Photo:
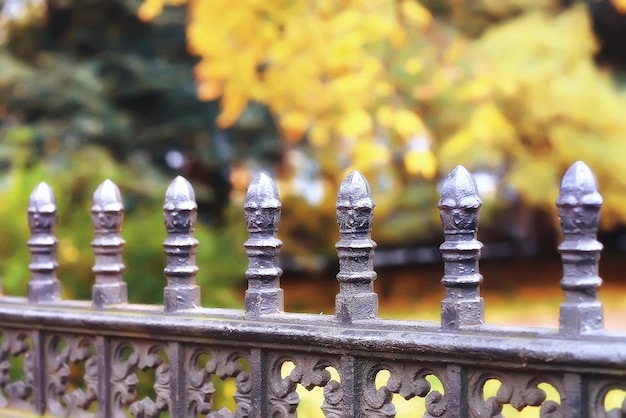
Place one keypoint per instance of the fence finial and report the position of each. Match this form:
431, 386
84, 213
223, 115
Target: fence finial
107, 216
42, 220
262, 210
459, 208
179, 213
355, 249
579, 206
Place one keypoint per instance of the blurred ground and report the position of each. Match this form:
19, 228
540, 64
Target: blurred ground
521, 291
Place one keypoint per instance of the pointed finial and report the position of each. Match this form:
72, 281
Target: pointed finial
180, 214
459, 210
579, 186
579, 206
355, 192
107, 198
180, 195
459, 192
262, 211
262, 193
42, 219
355, 249
42, 199
107, 216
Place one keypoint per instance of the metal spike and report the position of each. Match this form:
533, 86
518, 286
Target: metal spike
262, 210
180, 213
107, 215
579, 206
42, 219
459, 209
355, 214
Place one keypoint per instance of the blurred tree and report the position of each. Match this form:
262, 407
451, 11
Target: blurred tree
404, 90
400, 90
86, 94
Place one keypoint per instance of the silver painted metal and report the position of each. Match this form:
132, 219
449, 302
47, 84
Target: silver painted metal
180, 213
459, 208
42, 220
355, 214
187, 351
262, 210
579, 213
107, 216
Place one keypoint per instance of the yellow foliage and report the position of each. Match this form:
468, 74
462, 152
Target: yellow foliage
413, 66
294, 124
356, 123
489, 125
357, 77
367, 154
320, 67
415, 13
384, 115
620, 5
421, 162
150, 9
407, 123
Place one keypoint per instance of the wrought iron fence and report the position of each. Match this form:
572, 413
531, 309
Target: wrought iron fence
187, 347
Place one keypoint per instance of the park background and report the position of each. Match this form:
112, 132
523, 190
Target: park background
138, 92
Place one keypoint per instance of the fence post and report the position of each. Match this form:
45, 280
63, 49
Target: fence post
355, 249
579, 213
179, 214
42, 220
262, 210
459, 209
107, 215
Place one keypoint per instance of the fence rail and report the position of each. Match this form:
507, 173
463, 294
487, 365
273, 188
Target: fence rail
188, 347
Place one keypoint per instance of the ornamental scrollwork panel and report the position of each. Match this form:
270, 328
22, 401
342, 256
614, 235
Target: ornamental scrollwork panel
406, 379
17, 344
516, 389
61, 351
309, 371
224, 363
127, 357
602, 403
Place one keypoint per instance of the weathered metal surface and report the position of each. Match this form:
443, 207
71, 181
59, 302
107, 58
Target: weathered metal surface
42, 220
107, 216
262, 211
355, 249
579, 212
179, 214
459, 207
184, 349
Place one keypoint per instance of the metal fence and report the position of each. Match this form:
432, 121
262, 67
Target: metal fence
184, 348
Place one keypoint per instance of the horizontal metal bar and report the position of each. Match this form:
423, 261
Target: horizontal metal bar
495, 347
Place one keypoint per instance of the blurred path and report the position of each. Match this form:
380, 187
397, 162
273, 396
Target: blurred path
516, 292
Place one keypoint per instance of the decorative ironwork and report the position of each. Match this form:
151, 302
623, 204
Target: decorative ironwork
517, 390
223, 363
262, 210
459, 207
128, 357
61, 352
355, 249
43, 339
179, 213
407, 380
599, 390
17, 344
107, 215
308, 371
42, 220
579, 212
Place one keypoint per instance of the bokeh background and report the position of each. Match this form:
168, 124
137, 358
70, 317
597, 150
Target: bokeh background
402, 90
